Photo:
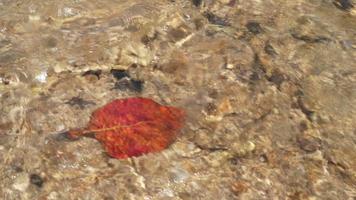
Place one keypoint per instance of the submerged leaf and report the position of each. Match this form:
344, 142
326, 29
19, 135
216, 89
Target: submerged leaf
133, 126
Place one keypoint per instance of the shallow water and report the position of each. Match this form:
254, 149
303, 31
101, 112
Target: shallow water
269, 88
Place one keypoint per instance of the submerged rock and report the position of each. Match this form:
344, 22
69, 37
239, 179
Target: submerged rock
21, 182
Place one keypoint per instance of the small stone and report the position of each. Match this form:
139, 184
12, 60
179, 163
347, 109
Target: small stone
36, 180
215, 113
277, 78
92, 74
242, 149
179, 175
254, 27
225, 1
166, 192
129, 84
41, 77
324, 119
185, 149
214, 19
79, 102
67, 12
217, 158
203, 138
308, 144
270, 50
119, 74
11, 78
179, 33
21, 183
51, 42
148, 38
137, 85
343, 4
34, 18
313, 117
53, 196
229, 66
225, 106
239, 187
197, 2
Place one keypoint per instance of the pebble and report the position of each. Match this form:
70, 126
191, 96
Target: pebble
130, 84
53, 196
36, 180
42, 77
197, 2
21, 182
136, 85
166, 192
119, 73
92, 75
239, 187
214, 19
343, 4
254, 27
308, 144
67, 12
179, 175
242, 149
185, 149
217, 158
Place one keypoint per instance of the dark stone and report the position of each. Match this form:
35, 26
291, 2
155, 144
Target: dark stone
63, 137
137, 85
148, 39
309, 38
213, 19
277, 78
78, 63
344, 5
129, 84
77, 101
211, 108
211, 148
264, 158
303, 126
259, 71
199, 23
119, 73
235, 160
123, 84
254, 27
308, 113
255, 76
308, 144
270, 50
133, 65
197, 2
18, 169
232, 3
36, 180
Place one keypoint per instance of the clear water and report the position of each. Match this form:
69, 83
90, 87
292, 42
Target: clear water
269, 88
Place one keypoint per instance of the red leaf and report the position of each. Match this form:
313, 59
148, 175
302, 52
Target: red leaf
133, 126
